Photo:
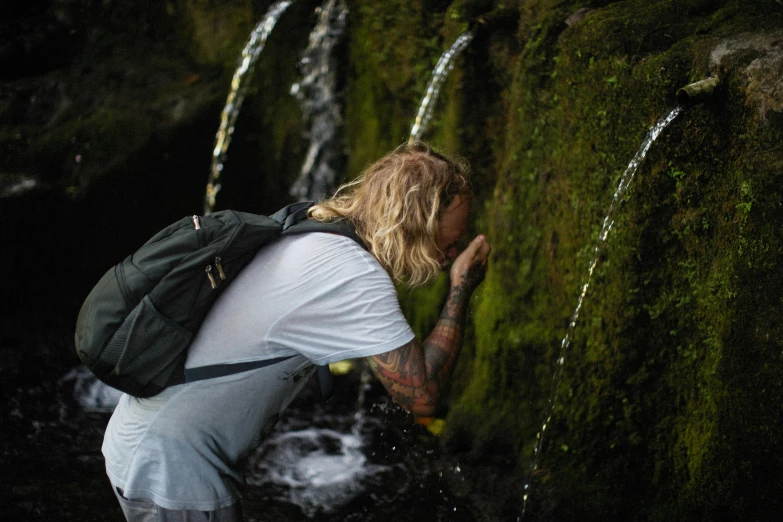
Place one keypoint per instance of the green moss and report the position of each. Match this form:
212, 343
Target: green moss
648, 406
422, 306
393, 49
218, 35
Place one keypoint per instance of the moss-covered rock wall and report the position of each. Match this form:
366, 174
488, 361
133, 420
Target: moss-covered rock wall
668, 404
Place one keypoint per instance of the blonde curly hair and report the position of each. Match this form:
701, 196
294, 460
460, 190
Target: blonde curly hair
395, 206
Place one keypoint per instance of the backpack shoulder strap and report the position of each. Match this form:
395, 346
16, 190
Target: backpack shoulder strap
292, 214
294, 220
219, 370
341, 227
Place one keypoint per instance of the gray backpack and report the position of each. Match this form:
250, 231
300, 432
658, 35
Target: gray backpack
134, 328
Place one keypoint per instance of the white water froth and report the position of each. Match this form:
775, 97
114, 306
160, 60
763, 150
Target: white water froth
321, 109
91, 393
319, 470
442, 68
236, 96
18, 188
622, 187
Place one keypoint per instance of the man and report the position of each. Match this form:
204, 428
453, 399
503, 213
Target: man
178, 455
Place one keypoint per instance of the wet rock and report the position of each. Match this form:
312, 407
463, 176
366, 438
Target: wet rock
578, 16
760, 60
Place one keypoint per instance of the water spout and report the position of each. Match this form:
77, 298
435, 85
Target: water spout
504, 19
697, 92
622, 187
442, 68
236, 96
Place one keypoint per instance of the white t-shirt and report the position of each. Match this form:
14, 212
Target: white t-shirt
319, 297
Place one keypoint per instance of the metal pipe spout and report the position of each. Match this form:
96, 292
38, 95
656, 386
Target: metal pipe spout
504, 19
698, 92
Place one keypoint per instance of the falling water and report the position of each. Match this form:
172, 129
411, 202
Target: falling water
89, 392
17, 188
625, 180
442, 68
236, 96
321, 109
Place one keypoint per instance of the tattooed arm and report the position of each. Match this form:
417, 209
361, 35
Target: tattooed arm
416, 374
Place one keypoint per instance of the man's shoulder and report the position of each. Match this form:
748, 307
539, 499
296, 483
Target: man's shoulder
326, 257
339, 227
325, 243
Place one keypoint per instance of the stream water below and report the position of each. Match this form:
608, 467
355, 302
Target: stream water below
325, 461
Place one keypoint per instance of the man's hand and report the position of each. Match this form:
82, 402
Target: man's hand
469, 268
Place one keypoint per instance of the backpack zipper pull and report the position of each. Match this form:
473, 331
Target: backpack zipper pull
220, 268
196, 222
212, 281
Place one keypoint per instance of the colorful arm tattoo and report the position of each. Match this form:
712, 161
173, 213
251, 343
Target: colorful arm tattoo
416, 374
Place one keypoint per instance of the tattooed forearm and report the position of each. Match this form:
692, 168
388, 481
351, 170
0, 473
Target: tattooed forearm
417, 374
442, 347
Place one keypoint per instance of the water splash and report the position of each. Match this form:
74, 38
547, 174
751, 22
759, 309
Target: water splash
318, 98
442, 68
89, 392
320, 469
22, 185
236, 96
625, 180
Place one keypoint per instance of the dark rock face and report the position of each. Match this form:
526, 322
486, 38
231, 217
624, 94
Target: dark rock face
103, 148
669, 403
35, 38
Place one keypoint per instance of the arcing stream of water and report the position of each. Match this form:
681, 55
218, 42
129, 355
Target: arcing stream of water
236, 96
317, 94
442, 68
622, 187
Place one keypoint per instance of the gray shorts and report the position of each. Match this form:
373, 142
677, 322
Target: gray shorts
144, 510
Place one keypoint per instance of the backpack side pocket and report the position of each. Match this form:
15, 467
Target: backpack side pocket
146, 352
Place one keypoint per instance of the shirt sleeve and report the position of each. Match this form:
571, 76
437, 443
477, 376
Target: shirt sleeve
352, 310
